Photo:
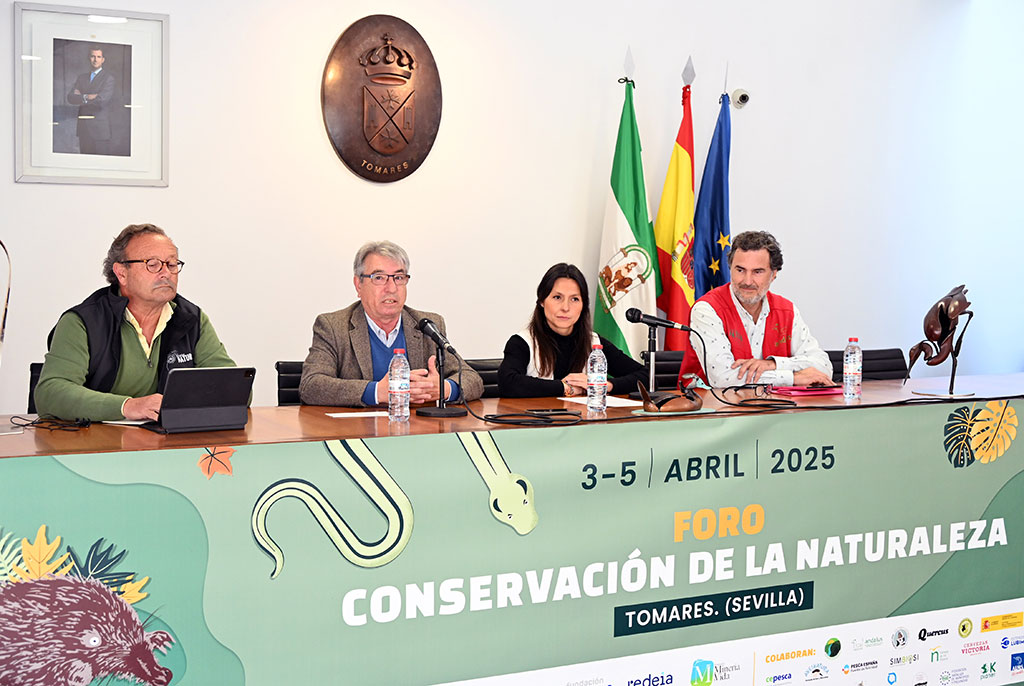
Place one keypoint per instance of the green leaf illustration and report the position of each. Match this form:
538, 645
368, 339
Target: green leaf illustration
958, 437
96, 561
10, 554
98, 564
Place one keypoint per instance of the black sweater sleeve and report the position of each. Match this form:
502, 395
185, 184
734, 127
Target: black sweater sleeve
623, 370
513, 381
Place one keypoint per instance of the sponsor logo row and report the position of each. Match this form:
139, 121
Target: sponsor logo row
709, 673
820, 664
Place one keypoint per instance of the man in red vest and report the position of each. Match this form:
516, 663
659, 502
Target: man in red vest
752, 335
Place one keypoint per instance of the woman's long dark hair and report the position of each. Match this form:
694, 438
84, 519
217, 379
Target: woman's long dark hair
544, 338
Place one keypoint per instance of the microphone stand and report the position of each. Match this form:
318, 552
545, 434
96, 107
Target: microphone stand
441, 410
652, 346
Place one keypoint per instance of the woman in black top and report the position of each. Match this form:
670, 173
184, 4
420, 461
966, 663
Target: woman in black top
549, 356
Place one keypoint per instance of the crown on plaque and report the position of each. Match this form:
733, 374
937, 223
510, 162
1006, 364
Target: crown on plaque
388, 64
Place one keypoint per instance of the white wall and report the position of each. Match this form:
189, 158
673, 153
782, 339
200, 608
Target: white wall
881, 145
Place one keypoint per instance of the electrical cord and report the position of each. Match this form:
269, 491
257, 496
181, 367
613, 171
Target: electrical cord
574, 417
748, 406
764, 402
566, 418
50, 423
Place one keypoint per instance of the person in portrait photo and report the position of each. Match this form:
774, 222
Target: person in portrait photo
92, 99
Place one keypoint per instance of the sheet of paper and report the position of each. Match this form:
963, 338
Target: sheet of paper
612, 401
355, 415
126, 422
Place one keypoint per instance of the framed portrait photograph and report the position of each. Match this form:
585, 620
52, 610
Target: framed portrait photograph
90, 96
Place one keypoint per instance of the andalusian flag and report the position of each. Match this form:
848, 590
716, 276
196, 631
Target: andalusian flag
673, 231
628, 275
711, 218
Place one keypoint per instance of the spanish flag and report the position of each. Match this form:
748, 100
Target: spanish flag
673, 232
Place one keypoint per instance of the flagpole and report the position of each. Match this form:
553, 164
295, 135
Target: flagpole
628, 262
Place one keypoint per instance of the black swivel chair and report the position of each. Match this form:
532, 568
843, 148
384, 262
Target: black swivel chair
487, 368
33, 378
666, 368
289, 373
879, 364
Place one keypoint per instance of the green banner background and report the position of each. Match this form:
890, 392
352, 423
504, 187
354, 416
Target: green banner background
210, 583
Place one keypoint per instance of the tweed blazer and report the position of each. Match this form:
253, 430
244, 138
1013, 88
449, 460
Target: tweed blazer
340, 364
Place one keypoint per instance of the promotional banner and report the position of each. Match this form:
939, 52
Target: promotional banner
439, 558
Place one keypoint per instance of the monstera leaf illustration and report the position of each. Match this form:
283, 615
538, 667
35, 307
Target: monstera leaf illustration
958, 436
994, 430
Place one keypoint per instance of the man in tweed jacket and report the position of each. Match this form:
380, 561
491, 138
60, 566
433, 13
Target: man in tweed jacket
352, 348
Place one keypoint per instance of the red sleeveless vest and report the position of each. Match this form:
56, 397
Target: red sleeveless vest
778, 333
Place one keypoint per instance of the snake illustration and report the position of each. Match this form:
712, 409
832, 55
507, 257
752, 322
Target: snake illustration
510, 501
511, 495
370, 475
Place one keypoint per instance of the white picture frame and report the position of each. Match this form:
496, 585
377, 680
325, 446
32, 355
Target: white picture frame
117, 136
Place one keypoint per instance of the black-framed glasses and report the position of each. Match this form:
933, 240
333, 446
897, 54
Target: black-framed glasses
154, 265
380, 278
688, 381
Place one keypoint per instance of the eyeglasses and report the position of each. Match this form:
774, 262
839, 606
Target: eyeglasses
154, 265
380, 279
688, 381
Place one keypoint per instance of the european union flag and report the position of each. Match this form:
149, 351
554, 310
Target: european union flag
711, 216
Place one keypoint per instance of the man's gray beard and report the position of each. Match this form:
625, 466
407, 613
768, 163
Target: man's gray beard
747, 301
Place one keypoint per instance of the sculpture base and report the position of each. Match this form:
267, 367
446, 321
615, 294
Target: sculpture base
950, 396
441, 412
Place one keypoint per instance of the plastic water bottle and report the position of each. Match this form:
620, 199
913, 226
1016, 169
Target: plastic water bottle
853, 361
398, 387
597, 378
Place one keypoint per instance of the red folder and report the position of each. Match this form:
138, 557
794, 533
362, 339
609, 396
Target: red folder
807, 390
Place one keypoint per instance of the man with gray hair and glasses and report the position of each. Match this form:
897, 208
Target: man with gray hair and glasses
110, 355
352, 348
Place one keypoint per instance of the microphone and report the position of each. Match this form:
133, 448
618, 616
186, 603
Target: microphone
637, 317
430, 329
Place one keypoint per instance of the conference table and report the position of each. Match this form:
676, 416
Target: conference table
738, 542
312, 423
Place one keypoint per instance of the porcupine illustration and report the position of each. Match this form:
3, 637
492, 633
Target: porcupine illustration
71, 630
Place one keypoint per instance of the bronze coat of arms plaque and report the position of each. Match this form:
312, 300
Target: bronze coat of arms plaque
381, 98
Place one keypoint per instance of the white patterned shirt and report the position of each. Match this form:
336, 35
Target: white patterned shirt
805, 348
